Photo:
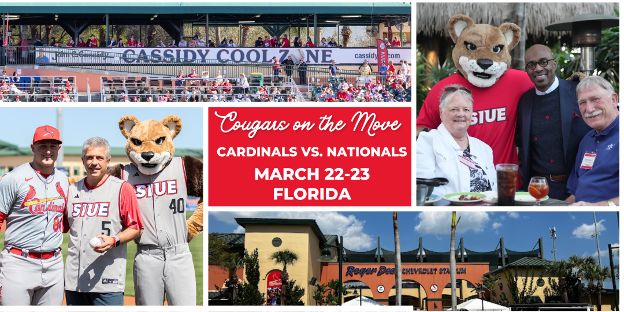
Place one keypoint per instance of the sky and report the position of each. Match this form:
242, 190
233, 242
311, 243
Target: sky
18, 124
481, 230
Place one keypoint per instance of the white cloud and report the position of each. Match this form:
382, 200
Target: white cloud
331, 222
587, 230
439, 222
604, 254
496, 225
572, 216
239, 230
513, 214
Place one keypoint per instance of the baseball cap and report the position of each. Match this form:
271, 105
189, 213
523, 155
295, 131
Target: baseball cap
46, 133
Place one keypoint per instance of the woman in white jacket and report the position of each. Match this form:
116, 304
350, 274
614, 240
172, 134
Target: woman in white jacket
449, 152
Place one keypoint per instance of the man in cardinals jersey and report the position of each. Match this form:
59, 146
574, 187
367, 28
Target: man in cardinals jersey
32, 200
103, 208
131, 42
94, 42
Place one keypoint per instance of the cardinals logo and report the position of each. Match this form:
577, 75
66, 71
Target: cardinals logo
38, 206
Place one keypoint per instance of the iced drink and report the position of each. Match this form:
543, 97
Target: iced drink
506, 175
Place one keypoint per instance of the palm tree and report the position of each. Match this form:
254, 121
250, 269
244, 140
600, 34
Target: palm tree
285, 258
561, 269
490, 281
397, 259
232, 262
594, 275
579, 264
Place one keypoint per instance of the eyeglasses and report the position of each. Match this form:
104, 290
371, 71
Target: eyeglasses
451, 89
543, 63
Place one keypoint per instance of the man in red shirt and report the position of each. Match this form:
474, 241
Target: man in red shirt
342, 94
274, 42
131, 42
267, 42
227, 86
193, 75
139, 43
396, 42
94, 42
285, 42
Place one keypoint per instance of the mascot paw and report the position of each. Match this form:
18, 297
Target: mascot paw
578, 76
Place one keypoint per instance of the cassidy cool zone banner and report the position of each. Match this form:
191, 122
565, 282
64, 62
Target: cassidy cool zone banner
323, 156
218, 55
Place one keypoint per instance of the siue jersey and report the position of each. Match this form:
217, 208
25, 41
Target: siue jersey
494, 111
33, 206
162, 200
91, 212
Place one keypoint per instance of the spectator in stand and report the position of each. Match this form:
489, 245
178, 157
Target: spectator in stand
172, 44
310, 44
131, 42
179, 82
42, 58
364, 71
231, 44
81, 43
112, 43
135, 99
391, 69
297, 42
406, 70
211, 44
275, 42
4, 87
193, 43
290, 98
54, 43
161, 44
88, 43
149, 99
342, 95
227, 87
323, 43
332, 43
276, 69
214, 88
387, 43
120, 43
288, 66
285, 42
70, 43
333, 69
140, 44
205, 80
396, 42
383, 72
94, 42
219, 78
244, 84
259, 43
68, 87
223, 43
202, 43
267, 42
125, 99
38, 43
303, 67
193, 75
182, 43
245, 98
24, 49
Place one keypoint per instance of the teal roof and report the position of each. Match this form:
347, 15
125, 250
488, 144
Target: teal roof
526, 262
7, 145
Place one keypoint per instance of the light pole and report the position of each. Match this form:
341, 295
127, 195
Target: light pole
596, 233
615, 291
326, 257
553, 235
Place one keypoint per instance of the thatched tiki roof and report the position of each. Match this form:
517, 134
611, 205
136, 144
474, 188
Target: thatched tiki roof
431, 18
532, 18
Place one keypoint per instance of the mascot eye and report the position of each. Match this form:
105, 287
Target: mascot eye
470, 46
498, 48
136, 142
160, 140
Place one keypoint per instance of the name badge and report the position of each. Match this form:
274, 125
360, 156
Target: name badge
588, 160
467, 162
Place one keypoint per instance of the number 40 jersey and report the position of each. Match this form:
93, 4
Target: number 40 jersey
162, 200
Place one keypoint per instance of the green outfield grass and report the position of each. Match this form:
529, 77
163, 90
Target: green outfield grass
196, 246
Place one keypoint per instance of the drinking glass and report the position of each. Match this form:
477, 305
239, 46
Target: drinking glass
538, 188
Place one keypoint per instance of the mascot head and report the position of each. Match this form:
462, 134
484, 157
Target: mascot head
150, 142
481, 51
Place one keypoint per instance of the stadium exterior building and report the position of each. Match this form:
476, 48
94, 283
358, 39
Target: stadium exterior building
425, 273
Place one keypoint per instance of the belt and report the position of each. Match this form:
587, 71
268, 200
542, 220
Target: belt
552, 177
167, 251
34, 255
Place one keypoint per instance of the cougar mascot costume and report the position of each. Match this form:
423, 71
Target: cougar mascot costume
163, 263
481, 55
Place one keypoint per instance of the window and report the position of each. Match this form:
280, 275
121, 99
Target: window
2, 171
10, 169
76, 171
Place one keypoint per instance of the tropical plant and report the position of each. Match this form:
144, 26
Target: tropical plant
579, 264
293, 294
608, 55
232, 262
490, 281
251, 295
595, 275
520, 296
285, 258
429, 74
217, 248
562, 270
327, 294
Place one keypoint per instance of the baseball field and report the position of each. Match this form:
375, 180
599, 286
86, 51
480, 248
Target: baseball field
196, 247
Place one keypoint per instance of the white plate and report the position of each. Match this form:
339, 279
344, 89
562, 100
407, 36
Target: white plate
454, 198
525, 199
432, 199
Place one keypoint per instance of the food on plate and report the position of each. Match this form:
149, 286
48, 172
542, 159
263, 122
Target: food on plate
469, 197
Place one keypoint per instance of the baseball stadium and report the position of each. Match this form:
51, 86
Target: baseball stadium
369, 276
206, 52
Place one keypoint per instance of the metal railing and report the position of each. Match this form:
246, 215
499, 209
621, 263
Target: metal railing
38, 89
146, 89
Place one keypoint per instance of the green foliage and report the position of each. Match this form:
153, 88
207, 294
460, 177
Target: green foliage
429, 74
217, 249
327, 294
294, 294
520, 296
250, 294
490, 281
568, 60
284, 257
608, 55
